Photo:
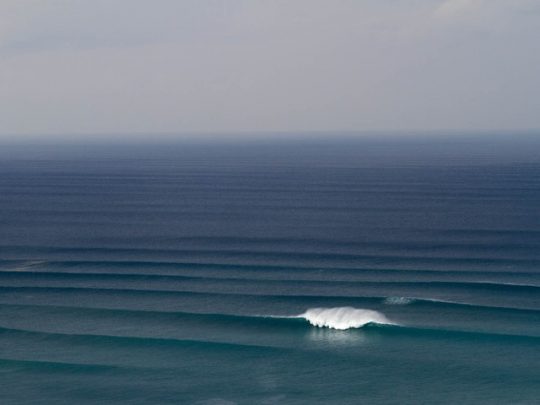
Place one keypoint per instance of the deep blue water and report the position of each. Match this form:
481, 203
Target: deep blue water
189, 272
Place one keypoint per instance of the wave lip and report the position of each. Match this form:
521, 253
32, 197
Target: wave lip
343, 318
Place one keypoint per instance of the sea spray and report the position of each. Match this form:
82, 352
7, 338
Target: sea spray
343, 318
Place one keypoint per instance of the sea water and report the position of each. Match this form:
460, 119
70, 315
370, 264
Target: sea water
324, 270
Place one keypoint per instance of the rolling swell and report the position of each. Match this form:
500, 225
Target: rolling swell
122, 340
168, 280
267, 272
148, 277
52, 367
338, 319
247, 256
299, 278
7, 291
476, 293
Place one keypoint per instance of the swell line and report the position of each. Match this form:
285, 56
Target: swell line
133, 340
374, 299
52, 366
275, 255
26, 264
390, 329
71, 276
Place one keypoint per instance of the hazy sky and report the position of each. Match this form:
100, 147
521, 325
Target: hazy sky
148, 66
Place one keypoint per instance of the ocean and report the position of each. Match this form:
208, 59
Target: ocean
288, 270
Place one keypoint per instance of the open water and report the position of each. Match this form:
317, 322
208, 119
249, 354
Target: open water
303, 271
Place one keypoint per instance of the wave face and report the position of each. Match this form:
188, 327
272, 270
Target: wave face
242, 274
343, 318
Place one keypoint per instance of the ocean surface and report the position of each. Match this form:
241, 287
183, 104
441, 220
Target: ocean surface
393, 270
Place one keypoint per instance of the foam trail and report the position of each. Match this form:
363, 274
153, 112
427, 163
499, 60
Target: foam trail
398, 301
343, 318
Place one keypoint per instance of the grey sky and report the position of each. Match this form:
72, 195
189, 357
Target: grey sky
124, 66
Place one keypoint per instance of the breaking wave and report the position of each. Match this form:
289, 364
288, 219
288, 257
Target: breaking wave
343, 318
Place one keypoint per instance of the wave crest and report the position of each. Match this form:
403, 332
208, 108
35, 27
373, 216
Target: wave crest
343, 318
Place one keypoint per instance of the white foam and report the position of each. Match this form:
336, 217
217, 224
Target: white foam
343, 318
398, 300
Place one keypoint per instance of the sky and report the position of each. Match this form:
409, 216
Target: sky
83, 68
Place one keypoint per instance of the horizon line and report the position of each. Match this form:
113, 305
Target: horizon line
139, 136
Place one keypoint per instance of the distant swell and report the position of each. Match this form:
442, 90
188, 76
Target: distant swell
23, 294
343, 318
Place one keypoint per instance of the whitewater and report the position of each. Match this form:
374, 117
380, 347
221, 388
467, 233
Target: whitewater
343, 318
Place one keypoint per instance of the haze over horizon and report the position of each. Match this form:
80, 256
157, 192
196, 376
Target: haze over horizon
75, 68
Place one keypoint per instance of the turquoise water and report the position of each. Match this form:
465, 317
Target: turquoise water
403, 271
